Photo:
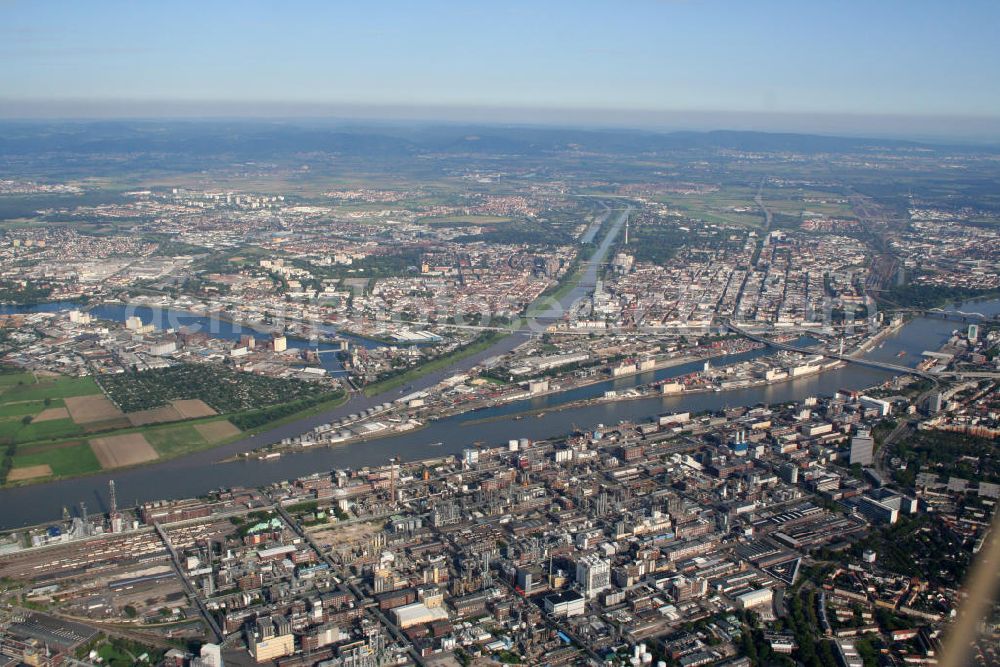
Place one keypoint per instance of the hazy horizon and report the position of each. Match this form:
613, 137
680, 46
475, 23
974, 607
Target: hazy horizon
967, 129
896, 69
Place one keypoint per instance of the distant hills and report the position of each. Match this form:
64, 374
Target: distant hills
263, 139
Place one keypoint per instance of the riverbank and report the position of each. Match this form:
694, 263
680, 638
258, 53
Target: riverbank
388, 384
640, 392
878, 338
254, 325
199, 473
740, 378
166, 440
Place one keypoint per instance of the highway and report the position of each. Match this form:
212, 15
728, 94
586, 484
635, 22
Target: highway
192, 593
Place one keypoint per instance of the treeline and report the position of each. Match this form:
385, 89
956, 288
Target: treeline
257, 418
933, 296
15, 293
404, 374
8, 462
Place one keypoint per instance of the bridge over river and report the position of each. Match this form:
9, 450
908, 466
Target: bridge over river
952, 315
862, 361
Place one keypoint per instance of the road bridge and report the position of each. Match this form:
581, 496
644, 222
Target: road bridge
861, 361
175, 559
973, 317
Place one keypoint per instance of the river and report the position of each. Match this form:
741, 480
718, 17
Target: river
201, 472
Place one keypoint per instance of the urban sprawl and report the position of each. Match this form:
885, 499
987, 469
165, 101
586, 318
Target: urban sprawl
181, 313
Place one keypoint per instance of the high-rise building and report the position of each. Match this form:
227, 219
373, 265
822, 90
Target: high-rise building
211, 656
270, 638
875, 510
593, 574
973, 332
862, 448
790, 473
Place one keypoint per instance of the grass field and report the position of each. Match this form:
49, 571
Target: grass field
54, 388
68, 459
22, 408
46, 430
22, 396
732, 205
175, 440
186, 438
736, 205
11, 379
66, 446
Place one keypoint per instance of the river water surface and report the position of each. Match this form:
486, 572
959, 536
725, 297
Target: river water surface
201, 472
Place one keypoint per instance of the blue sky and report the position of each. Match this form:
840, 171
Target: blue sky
916, 58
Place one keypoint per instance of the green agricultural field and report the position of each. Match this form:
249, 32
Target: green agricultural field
47, 430
13, 428
22, 397
20, 409
75, 458
54, 388
175, 440
179, 438
68, 458
9, 429
25, 450
8, 380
